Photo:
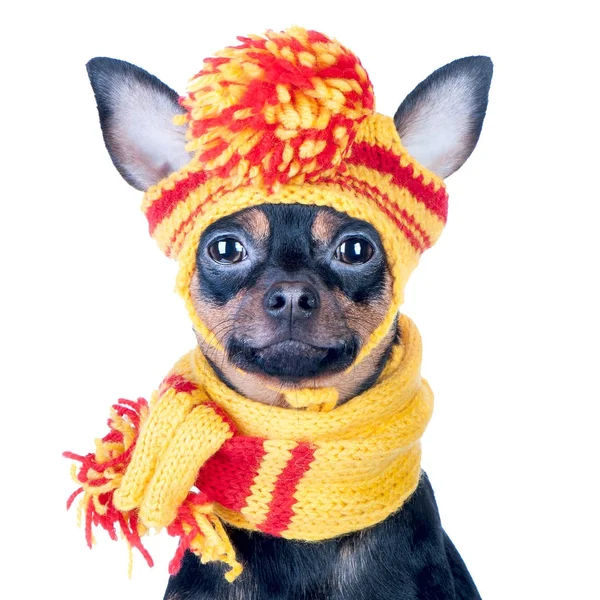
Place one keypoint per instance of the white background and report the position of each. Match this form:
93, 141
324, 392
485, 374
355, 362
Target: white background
507, 302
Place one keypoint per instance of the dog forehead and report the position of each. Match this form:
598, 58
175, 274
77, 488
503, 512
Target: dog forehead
286, 223
290, 216
318, 223
254, 221
266, 220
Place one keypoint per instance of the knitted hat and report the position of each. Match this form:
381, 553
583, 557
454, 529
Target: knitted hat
289, 118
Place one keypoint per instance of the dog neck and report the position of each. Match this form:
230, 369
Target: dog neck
268, 390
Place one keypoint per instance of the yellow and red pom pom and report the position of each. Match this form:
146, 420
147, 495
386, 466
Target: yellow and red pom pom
278, 109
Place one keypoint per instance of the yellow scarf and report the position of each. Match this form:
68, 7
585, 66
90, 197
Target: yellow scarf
299, 474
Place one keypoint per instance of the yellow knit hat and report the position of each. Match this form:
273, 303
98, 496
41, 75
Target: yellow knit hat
289, 118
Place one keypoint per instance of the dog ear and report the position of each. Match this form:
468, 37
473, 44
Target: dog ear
136, 115
439, 122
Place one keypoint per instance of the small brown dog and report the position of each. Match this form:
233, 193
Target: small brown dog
291, 293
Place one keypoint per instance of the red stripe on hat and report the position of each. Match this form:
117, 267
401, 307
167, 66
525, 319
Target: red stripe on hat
399, 216
387, 162
281, 506
383, 200
351, 185
227, 476
163, 206
191, 218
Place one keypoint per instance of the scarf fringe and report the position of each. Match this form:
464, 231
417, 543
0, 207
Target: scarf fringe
99, 476
202, 532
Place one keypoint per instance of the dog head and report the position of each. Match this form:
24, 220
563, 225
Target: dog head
290, 294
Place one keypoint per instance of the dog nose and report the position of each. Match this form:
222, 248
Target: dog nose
291, 300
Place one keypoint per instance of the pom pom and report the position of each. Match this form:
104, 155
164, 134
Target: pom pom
283, 108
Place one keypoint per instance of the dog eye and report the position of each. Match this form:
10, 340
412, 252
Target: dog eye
354, 251
227, 251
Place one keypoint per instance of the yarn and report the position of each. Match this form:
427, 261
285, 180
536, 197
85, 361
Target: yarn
278, 109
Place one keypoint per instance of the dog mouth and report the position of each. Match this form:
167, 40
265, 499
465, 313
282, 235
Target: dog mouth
293, 360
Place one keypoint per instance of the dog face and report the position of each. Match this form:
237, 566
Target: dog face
290, 292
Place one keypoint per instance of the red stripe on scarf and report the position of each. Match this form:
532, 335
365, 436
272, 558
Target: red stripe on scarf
178, 383
227, 476
281, 507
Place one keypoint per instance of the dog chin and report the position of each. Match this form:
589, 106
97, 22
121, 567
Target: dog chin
293, 360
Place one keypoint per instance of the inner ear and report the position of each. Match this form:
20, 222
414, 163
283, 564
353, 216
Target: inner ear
439, 122
136, 112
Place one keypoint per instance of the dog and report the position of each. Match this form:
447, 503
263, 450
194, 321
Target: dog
291, 293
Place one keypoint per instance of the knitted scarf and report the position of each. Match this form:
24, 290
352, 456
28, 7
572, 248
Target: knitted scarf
201, 455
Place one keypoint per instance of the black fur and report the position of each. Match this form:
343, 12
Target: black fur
406, 557
277, 364
290, 248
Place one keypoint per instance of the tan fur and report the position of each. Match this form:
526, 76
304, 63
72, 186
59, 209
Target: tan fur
326, 223
255, 222
263, 388
219, 319
366, 317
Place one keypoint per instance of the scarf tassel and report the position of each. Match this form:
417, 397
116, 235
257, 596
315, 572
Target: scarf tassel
100, 475
201, 531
